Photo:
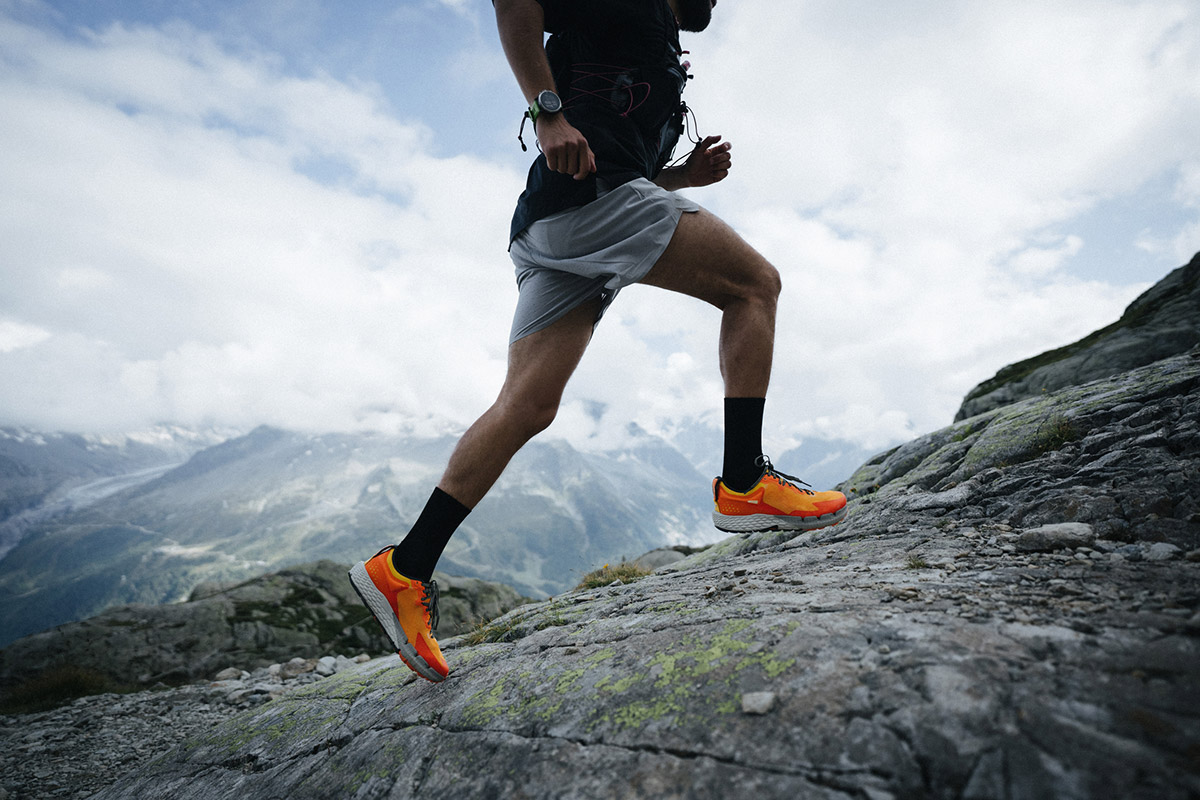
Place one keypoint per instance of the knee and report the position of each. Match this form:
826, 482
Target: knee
539, 416
775, 281
530, 415
765, 285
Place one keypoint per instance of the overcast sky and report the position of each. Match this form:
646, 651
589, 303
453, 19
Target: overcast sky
296, 213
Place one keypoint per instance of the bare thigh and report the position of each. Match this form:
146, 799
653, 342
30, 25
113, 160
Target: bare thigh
707, 259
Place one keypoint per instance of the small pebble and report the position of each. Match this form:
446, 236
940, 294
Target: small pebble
757, 702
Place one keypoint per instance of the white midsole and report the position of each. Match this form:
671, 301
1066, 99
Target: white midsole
751, 523
382, 611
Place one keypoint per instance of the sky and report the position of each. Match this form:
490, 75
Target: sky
230, 213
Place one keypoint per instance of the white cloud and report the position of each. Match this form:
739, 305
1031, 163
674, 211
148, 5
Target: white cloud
911, 172
198, 233
1042, 260
162, 229
16, 335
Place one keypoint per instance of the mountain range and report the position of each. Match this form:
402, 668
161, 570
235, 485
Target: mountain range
94, 524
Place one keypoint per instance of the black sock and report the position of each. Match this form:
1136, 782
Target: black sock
416, 556
743, 442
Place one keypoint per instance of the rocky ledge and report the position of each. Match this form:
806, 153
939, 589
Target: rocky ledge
1010, 611
1164, 321
76, 750
306, 611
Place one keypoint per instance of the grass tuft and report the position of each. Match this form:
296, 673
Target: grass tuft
625, 572
1055, 432
501, 630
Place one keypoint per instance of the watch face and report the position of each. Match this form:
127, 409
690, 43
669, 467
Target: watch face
549, 102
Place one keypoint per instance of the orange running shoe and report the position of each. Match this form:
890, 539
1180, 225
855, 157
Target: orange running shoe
775, 503
406, 609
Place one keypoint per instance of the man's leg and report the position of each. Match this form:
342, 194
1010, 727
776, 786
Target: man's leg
396, 583
708, 260
539, 366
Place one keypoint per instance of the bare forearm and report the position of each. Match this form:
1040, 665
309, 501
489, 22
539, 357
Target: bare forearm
672, 179
520, 23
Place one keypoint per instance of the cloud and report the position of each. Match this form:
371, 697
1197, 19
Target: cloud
199, 231
978, 122
915, 173
164, 229
15, 335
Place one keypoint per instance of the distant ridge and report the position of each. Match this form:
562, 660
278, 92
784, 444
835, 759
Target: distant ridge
273, 498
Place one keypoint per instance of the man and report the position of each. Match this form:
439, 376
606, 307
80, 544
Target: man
600, 212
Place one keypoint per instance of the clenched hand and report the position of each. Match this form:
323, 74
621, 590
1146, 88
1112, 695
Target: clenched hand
565, 148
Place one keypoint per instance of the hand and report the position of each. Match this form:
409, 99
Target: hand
707, 164
565, 148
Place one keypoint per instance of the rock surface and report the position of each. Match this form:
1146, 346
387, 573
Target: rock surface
306, 611
918, 650
1164, 321
73, 752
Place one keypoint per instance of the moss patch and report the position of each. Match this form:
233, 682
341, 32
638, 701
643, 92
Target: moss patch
617, 688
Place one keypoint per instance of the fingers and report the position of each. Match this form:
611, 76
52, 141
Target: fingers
573, 158
719, 157
587, 164
717, 160
566, 149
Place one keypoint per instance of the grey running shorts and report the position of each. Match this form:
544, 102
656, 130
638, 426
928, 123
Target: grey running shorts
591, 251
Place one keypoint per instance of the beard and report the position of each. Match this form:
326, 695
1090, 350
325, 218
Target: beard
694, 15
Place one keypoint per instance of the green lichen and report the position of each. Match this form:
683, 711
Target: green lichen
600, 656
344, 685
388, 756
510, 697
276, 724
619, 686
668, 689
658, 686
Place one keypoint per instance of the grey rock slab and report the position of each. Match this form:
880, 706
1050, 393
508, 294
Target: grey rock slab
1162, 551
1164, 321
601, 691
1056, 537
912, 651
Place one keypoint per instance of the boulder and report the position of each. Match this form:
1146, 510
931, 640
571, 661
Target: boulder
1045, 538
1164, 321
304, 612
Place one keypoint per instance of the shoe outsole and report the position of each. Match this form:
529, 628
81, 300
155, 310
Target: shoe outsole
381, 610
759, 523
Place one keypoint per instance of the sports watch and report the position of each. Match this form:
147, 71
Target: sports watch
547, 102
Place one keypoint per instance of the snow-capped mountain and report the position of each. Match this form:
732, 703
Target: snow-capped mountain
125, 523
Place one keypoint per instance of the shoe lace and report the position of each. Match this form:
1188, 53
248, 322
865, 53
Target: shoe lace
429, 599
790, 480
